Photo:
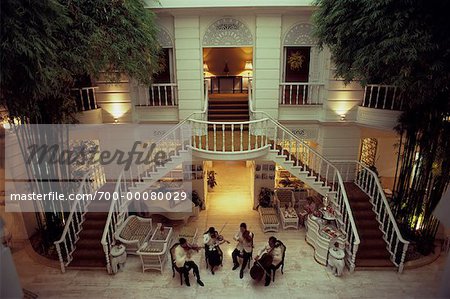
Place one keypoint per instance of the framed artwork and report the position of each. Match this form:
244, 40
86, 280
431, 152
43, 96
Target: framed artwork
265, 167
264, 176
258, 167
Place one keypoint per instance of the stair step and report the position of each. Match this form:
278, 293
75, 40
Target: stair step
91, 234
89, 254
372, 254
364, 214
90, 244
367, 223
94, 224
96, 216
385, 263
82, 263
372, 243
369, 233
242, 111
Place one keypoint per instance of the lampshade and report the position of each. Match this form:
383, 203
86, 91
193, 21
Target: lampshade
205, 67
248, 66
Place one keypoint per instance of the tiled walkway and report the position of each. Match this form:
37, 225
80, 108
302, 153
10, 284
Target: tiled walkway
231, 203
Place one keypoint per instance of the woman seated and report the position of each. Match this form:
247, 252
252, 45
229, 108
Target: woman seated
213, 253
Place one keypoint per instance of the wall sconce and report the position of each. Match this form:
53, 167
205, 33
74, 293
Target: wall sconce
248, 67
205, 67
116, 120
343, 117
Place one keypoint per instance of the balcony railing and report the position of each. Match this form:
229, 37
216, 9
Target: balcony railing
386, 97
85, 98
160, 95
301, 93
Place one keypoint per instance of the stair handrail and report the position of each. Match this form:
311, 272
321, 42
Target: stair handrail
90, 182
340, 181
370, 190
119, 203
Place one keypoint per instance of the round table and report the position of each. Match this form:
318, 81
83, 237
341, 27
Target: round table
118, 257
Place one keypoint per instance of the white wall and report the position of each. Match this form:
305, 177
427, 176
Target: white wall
188, 63
267, 63
339, 142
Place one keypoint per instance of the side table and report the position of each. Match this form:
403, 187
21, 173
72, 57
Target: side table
118, 257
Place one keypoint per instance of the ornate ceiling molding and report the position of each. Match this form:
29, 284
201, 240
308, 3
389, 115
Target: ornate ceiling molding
164, 38
300, 35
227, 32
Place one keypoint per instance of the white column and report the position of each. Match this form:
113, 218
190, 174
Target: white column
188, 61
267, 63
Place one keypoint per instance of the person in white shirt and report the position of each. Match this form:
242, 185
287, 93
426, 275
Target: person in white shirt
275, 249
183, 260
243, 248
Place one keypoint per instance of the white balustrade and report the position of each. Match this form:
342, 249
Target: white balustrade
118, 212
66, 245
161, 94
380, 96
301, 93
368, 181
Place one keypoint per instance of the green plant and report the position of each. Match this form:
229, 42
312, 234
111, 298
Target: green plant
212, 179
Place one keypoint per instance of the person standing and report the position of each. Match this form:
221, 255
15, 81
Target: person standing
183, 260
244, 248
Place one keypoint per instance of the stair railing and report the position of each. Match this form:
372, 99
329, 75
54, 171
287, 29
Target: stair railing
66, 245
118, 211
368, 181
230, 136
326, 174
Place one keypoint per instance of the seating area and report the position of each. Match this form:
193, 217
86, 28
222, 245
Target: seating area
133, 232
269, 219
284, 202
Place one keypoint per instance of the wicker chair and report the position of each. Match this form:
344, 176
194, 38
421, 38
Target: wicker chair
133, 232
284, 198
153, 255
269, 219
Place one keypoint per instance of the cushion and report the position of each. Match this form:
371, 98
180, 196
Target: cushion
267, 211
153, 247
270, 219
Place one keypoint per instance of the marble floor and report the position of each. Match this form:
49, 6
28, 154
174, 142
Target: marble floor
230, 204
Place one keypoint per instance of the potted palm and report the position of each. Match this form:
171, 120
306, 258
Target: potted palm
211, 180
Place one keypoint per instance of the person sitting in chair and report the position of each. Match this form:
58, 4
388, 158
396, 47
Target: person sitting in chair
243, 249
311, 206
274, 249
213, 253
183, 260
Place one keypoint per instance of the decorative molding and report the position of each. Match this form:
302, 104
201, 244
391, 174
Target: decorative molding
227, 32
299, 35
164, 38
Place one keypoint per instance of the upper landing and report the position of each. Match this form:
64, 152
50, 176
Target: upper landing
226, 4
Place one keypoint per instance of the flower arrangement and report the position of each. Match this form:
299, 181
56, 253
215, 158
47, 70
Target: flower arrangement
295, 61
